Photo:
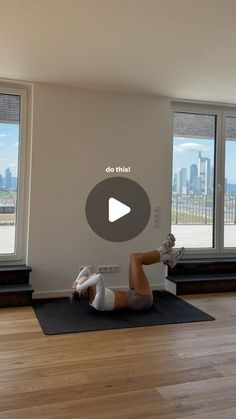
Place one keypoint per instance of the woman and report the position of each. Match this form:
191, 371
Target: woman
139, 296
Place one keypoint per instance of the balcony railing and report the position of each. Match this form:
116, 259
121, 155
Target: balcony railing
199, 209
7, 207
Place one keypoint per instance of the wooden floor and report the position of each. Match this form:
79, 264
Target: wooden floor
175, 371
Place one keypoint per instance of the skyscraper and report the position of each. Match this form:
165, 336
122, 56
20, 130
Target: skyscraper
193, 178
8, 178
204, 173
182, 181
175, 183
193, 172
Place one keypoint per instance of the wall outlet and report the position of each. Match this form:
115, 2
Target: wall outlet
156, 215
108, 269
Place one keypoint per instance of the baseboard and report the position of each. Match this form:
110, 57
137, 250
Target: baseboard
51, 294
66, 293
170, 286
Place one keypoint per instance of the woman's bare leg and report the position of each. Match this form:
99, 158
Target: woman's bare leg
131, 280
138, 281
137, 278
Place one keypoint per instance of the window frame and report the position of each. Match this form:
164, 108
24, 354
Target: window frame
221, 111
21, 231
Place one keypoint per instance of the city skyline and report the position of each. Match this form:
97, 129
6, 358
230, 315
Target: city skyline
8, 182
200, 179
9, 145
186, 154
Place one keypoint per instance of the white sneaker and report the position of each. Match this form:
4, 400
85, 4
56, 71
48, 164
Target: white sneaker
175, 257
169, 243
86, 271
84, 274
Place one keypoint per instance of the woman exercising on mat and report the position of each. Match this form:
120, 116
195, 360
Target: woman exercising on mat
139, 297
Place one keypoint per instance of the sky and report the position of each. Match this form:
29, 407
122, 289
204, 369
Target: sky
9, 144
186, 151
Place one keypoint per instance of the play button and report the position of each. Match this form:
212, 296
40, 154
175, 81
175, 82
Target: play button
117, 209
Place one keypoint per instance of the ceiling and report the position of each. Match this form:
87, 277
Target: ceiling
177, 48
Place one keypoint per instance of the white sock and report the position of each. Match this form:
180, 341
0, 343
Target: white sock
164, 257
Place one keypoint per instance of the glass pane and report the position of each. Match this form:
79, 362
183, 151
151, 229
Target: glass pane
9, 153
193, 179
230, 184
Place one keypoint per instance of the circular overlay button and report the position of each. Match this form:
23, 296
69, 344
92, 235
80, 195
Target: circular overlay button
117, 209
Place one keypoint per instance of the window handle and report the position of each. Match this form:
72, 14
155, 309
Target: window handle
219, 187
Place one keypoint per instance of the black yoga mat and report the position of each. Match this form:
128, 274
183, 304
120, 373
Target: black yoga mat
58, 316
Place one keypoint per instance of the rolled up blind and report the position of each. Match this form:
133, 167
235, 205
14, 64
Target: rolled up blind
9, 109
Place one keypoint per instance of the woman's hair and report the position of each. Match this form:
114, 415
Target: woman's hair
75, 296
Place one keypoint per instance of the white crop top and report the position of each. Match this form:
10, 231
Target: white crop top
106, 302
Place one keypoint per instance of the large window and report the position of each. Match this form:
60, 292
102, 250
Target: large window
12, 173
204, 179
230, 183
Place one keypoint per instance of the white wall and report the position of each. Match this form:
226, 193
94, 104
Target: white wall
76, 135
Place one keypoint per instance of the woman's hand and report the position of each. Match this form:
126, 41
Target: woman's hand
74, 284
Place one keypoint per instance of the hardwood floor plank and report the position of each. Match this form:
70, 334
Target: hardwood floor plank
209, 402
219, 414
143, 362
208, 386
94, 384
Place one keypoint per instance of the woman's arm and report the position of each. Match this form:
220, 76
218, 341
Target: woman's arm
92, 280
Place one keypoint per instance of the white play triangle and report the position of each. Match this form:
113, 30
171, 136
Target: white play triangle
116, 210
